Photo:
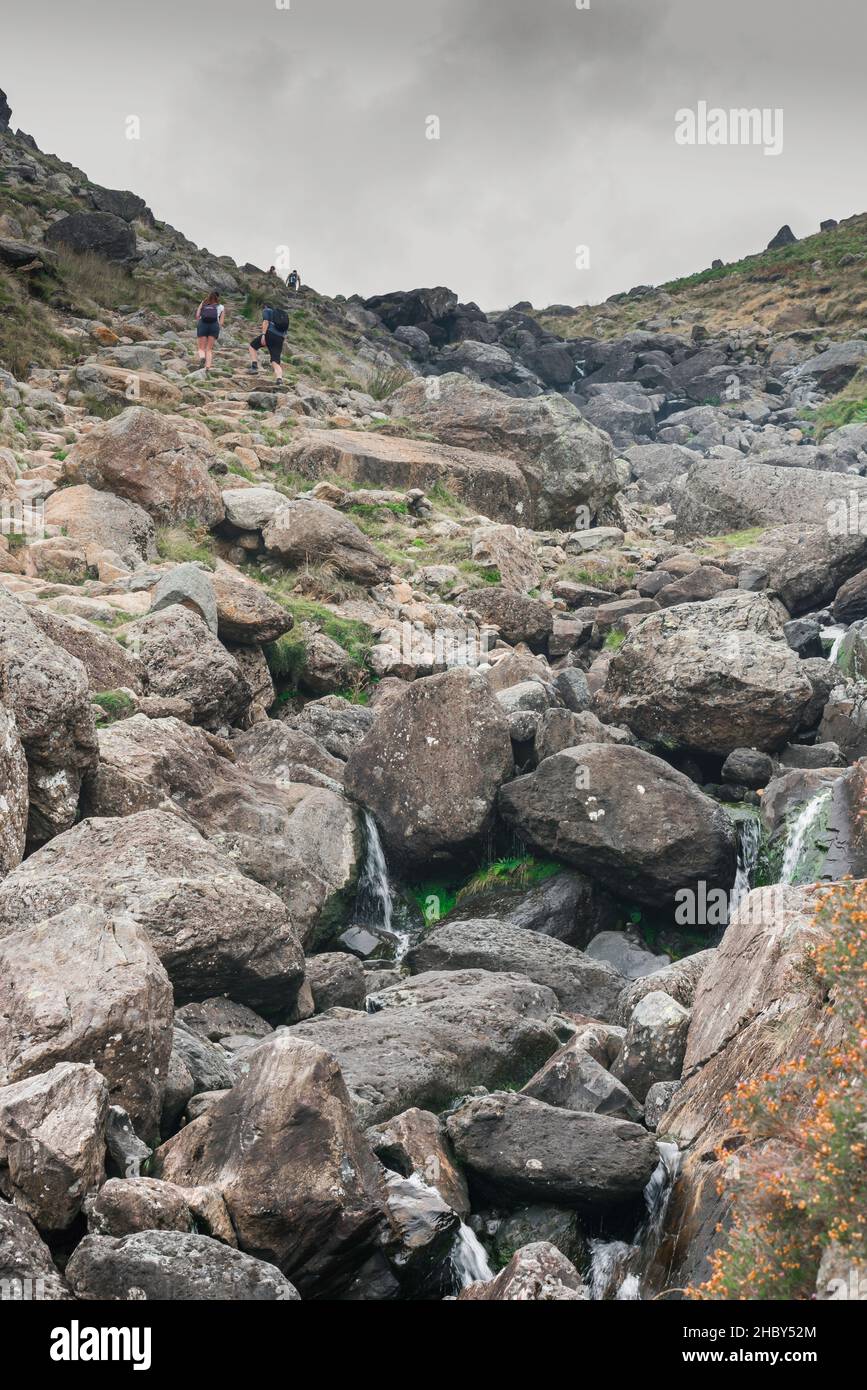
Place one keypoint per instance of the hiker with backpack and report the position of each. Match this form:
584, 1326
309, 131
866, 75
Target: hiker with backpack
275, 326
210, 316
294, 281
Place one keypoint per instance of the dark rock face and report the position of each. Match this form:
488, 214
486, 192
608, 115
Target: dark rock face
129, 207
581, 985
785, 237
99, 232
5, 112
521, 1150
640, 827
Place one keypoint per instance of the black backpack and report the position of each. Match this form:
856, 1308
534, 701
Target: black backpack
279, 320
210, 313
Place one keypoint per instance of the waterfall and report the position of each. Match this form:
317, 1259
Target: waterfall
796, 838
616, 1269
749, 844
374, 905
834, 636
469, 1260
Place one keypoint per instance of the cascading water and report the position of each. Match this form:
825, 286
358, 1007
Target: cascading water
617, 1269
374, 905
797, 837
469, 1259
749, 844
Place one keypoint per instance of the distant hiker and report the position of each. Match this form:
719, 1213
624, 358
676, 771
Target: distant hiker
272, 270
210, 316
275, 326
294, 281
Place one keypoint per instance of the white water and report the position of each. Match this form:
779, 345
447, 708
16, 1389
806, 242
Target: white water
749, 844
797, 836
616, 1269
836, 634
469, 1260
374, 891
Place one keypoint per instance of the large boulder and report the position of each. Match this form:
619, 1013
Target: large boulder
536, 1273
213, 929
27, 1271
709, 676
720, 497
100, 520
488, 482
436, 1036
142, 457
99, 233
415, 1143
83, 986
804, 565
430, 767
104, 384
245, 613
172, 1267
582, 985
757, 1008
835, 367
517, 617
183, 660
517, 1150
566, 462
300, 840
307, 1196
52, 1142
654, 1044
307, 532
573, 1079
47, 691
629, 819
108, 663
14, 798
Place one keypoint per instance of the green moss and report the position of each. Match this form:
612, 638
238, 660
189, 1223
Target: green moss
614, 640
112, 705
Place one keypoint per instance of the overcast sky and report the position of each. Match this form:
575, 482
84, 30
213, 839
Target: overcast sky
306, 125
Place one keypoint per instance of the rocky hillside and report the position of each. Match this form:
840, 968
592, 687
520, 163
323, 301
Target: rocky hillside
418, 776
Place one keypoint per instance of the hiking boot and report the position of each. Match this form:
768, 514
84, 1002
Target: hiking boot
253, 369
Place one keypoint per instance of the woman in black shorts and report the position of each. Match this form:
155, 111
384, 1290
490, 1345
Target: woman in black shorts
209, 320
275, 326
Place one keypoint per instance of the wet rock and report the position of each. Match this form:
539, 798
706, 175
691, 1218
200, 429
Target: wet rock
538, 1273
415, 1142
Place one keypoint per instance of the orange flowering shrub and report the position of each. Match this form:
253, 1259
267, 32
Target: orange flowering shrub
802, 1179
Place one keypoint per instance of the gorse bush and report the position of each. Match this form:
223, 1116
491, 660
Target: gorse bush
802, 1178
